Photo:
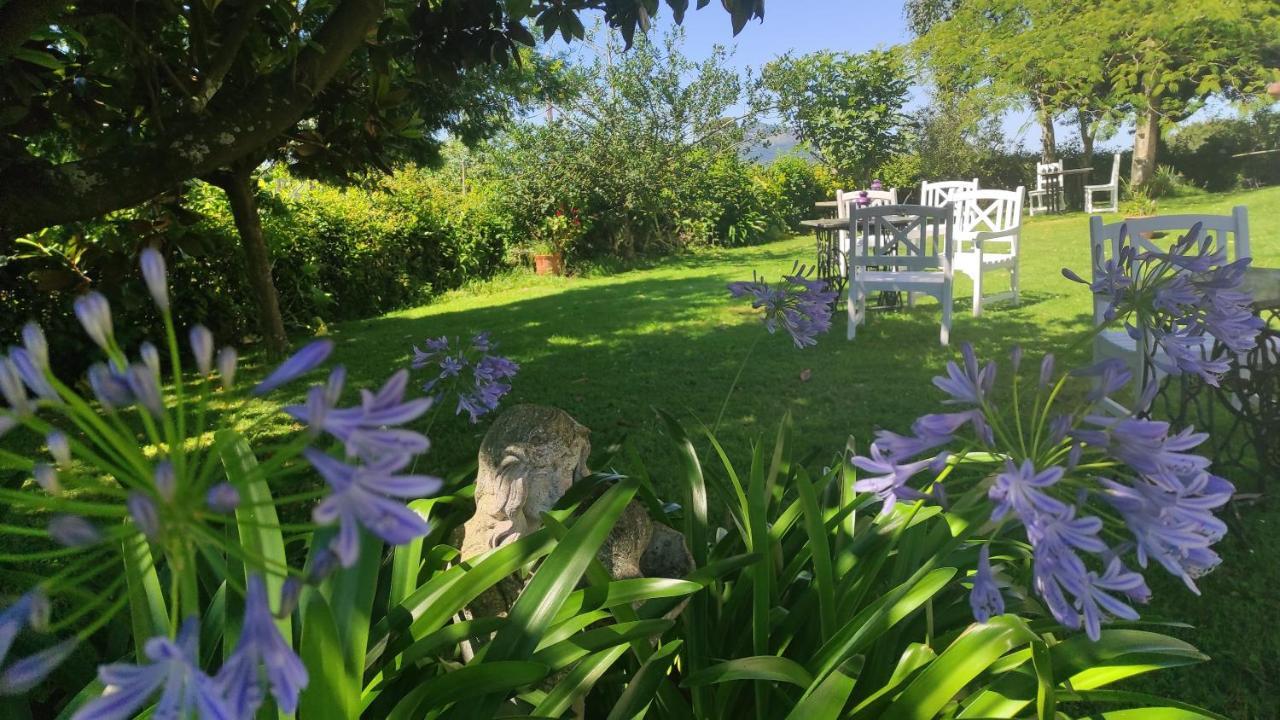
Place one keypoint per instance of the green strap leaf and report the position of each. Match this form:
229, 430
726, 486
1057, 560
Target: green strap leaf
578, 682
765, 667
330, 693
640, 691
147, 612
826, 701
465, 683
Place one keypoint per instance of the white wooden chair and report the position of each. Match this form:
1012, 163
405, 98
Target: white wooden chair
937, 194
1112, 189
1040, 200
922, 237
1227, 231
847, 199
988, 231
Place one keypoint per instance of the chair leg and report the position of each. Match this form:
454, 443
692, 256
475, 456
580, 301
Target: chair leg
852, 303
1013, 281
977, 292
946, 315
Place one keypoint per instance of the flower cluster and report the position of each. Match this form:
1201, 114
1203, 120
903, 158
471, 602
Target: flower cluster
800, 305
1070, 477
472, 371
1178, 301
141, 468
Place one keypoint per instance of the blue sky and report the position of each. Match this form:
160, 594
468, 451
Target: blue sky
808, 25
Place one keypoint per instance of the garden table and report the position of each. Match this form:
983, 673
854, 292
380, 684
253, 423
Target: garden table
830, 260
1055, 181
1241, 414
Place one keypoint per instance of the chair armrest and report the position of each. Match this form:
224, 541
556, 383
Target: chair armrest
1011, 235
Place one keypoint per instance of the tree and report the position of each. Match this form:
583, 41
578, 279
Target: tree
105, 105
846, 108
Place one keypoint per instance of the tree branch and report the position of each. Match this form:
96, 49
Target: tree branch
220, 64
35, 193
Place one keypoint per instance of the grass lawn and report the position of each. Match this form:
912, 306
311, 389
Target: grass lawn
608, 348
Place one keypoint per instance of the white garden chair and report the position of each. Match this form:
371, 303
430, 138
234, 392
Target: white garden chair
1227, 231
1112, 189
988, 230
846, 199
1040, 200
922, 239
937, 194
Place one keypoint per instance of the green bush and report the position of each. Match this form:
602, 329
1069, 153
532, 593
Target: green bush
799, 184
1202, 151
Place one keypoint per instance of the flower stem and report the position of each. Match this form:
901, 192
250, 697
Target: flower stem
733, 386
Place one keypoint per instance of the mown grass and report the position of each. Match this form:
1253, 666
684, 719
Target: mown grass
609, 348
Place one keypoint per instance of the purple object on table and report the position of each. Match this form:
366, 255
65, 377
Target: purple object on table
863, 198
877, 185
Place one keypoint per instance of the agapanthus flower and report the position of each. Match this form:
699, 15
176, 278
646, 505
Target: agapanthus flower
12, 388
226, 364
153, 273
32, 374
29, 611
47, 478
480, 391
110, 385
1036, 466
985, 598
59, 448
94, 313
304, 361
202, 348
36, 344
73, 531
223, 498
366, 430
369, 496
261, 651
174, 671
797, 304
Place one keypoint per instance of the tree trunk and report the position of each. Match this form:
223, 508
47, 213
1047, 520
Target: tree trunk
1048, 143
1145, 140
1087, 133
238, 183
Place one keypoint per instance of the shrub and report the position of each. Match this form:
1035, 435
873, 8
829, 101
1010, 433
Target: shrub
799, 183
1202, 151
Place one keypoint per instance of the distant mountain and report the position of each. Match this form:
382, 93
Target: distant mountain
773, 146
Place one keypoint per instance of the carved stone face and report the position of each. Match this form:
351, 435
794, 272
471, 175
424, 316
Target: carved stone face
528, 460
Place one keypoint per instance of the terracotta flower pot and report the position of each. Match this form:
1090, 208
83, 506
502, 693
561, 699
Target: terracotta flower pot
548, 264
1145, 235
1274, 90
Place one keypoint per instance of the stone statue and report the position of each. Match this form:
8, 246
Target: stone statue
528, 460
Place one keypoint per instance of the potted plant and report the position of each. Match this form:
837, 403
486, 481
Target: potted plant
1139, 205
557, 234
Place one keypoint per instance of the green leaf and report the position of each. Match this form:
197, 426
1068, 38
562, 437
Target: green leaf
965, 659
448, 636
765, 667
640, 691
819, 547
147, 612
331, 691
578, 682
566, 652
465, 683
256, 520
827, 700
623, 592
1046, 699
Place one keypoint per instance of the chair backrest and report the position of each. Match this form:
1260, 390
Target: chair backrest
937, 194
846, 199
1115, 171
1229, 232
922, 237
986, 211
1042, 168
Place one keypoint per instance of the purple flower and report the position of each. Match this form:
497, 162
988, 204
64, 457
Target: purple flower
365, 429
47, 478
1185, 353
143, 511
261, 649
145, 386
94, 313
37, 346
166, 481
799, 305
174, 671
11, 387
302, 362
223, 498
202, 348
73, 531
1147, 447
227, 367
1055, 533
451, 366
26, 611
1046, 370
110, 386
480, 342
491, 368
890, 484
970, 385
59, 448
152, 263
363, 496
1094, 598
435, 347
1021, 489
28, 672
985, 598
32, 374
1112, 375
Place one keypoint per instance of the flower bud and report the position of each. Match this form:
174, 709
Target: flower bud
34, 341
1046, 370
150, 357
227, 367
166, 481
223, 498
290, 592
144, 514
303, 361
30, 671
94, 313
47, 478
1015, 358
11, 387
32, 374
152, 263
73, 531
59, 448
110, 387
145, 386
202, 348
